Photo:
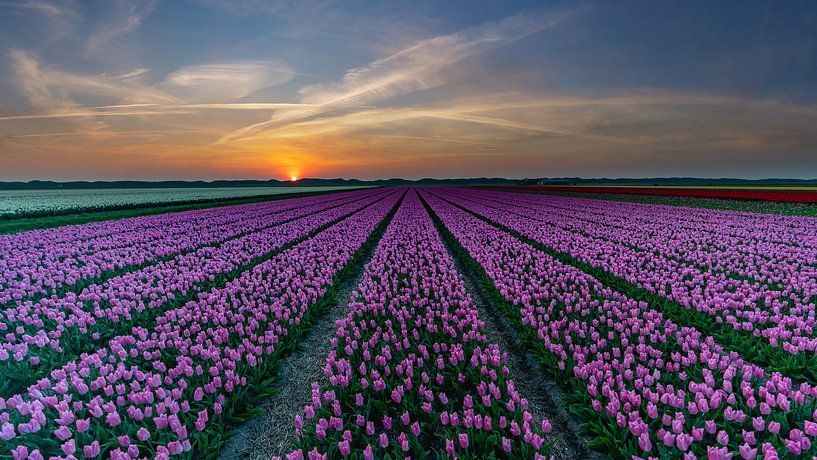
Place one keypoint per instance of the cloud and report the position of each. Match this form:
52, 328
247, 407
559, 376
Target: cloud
136, 133
364, 120
50, 89
213, 86
177, 102
123, 17
623, 122
417, 67
135, 73
129, 110
35, 83
48, 9
226, 81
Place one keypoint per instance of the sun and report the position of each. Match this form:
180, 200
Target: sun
293, 178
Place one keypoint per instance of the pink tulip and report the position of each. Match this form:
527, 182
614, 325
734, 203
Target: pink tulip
344, 448
644, 442
68, 447
7, 431
92, 450
143, 434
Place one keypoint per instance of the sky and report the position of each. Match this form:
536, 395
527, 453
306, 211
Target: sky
229, 89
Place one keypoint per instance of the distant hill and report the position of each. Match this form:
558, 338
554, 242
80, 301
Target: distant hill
315, 182
305, 182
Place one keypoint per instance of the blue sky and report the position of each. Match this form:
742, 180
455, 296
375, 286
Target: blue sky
257, 89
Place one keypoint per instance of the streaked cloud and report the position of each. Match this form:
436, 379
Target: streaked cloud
208, 86
226, 81
122, 18
153, 132
48, 88
417, 67
46, 8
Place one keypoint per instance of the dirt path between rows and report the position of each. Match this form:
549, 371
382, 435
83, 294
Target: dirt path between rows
273, 433
543, 394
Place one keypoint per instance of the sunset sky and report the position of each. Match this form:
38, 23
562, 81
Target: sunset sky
216, 89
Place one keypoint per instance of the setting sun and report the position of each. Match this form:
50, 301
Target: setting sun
293, 178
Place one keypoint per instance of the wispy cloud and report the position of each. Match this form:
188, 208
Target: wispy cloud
226, 81
417, 67
137, 133
48, 9
51, 89
92, 114
452, 111
55, 93
123, 17
129, 110
35, 83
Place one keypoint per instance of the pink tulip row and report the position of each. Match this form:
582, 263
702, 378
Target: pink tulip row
36, 333
170, 388
647, 387
38, 263
411, 372
771, 228
783, 258
777, 256
770, 294
760, 251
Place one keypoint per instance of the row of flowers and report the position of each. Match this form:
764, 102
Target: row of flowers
411, 373
43, 262
175, 387
646, 386
687, 269
37, 336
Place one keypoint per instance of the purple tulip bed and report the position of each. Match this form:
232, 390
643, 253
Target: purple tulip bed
40, 334
646, 385
671, 332
749, 280
39, 263
411, 373
175, 382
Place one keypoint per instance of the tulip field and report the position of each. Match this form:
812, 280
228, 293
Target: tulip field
667, 331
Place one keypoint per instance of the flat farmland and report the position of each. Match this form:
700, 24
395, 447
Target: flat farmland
779, 194
423, 322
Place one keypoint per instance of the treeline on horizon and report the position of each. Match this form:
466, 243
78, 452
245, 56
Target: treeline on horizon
316, 182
